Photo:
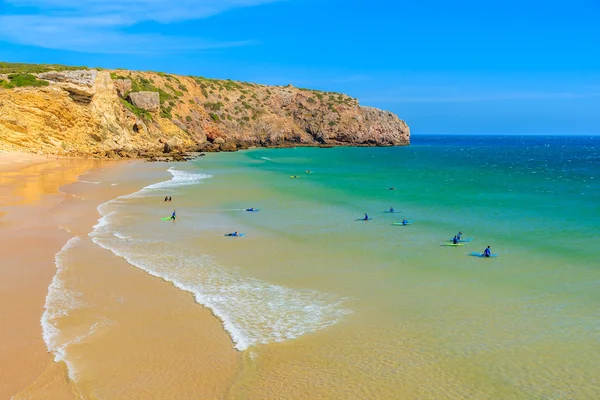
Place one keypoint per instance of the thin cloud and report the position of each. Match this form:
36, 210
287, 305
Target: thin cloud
478, 98
294, 79
139, 10
98, 26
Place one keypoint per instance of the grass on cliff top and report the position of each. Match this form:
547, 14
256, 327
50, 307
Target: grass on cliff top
21, 80
22, 68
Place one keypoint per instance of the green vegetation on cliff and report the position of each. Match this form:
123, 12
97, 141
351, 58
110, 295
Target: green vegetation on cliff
21, 68
203, 113
20, 80
137, 111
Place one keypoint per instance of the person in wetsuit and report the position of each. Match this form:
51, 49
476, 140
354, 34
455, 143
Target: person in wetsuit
455, 240
366, 217
487, 252
458, 235
391, 209
174, 215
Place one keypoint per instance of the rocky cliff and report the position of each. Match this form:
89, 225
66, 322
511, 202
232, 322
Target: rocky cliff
130, 113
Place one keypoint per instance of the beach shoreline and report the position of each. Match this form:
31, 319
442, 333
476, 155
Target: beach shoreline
29, 189
45, 202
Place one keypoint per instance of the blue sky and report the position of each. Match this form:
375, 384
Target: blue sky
470, 67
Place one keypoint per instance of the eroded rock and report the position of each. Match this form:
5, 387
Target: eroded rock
80, 77
123, 86
79, 84
148, 101
139, 126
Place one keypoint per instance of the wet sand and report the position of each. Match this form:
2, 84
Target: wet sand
29, 189
156, 342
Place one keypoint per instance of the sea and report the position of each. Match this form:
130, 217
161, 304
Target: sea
324, 305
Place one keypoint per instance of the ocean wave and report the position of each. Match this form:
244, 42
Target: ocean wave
59, 302
121, 236
252, 311
180, 178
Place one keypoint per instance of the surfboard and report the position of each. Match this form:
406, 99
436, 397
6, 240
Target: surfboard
480, 255
452, 244
401, 224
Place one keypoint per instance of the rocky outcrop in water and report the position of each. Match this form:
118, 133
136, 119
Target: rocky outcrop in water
128, 113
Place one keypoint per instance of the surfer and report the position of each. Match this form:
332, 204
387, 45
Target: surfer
391, 209
173, 216
366, 217
170, 198
233, 234
166, 198
404, 222
458, 235
250, 209
487, 252
455, 240
392, 188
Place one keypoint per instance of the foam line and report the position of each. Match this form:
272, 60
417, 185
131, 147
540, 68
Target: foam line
252, 311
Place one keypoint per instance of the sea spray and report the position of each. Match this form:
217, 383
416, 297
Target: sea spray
252, 311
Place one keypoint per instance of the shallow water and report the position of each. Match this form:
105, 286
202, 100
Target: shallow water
324, 306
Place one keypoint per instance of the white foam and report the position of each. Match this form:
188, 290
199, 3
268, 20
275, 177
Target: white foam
180, 178
252, 311
92, 182
60, 301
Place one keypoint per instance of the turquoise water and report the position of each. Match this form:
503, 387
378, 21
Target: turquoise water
372, 299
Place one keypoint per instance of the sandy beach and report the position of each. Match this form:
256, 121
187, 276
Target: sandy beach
29, 189
43, 205
310, 303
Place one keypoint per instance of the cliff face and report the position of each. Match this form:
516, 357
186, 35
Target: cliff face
128, 113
